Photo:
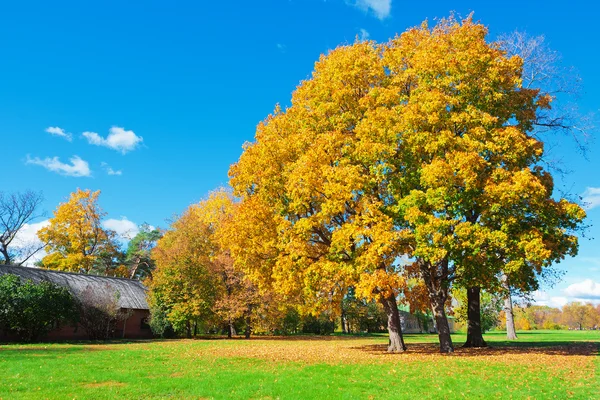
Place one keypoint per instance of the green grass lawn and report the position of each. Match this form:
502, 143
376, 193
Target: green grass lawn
541, 365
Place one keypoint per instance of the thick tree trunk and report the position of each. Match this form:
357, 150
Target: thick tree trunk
230, 329
511, 333
248, 330
474, 332
188, 329
396, 341
441, 323
436, 279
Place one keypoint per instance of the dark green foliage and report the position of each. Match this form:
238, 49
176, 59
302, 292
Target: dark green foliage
359, 315
292, 322
137, 256
30, 310
491, 305
159, 323
319, 325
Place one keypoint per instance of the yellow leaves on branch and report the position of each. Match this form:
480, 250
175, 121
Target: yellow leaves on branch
420, 146
75, 239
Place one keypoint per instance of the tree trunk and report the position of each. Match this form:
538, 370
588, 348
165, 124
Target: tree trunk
396, 341
441, 323
231, 329
437, 283
188, 329
474, 333
248, 330
511, 333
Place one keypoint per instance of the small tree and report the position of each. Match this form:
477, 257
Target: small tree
99, 312
16, 211
30, 310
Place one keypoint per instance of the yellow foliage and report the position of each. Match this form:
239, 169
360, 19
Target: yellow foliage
75, 239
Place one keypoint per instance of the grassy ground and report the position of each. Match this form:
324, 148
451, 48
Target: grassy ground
541, 365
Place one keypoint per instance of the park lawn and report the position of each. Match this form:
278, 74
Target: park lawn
547, 364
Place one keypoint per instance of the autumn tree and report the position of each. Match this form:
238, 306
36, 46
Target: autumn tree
313, 174
195, 279
17, 210
480, 204
182, 287
75, 239
490, 307
580, 316
408, 148
543, 71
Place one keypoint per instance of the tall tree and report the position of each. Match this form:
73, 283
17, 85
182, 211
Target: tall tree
316, 174
542, 70
75, 239
195, 279
408, 148
182, 286
138, 255
17, 210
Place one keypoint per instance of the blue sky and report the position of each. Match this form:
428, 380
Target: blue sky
150, 102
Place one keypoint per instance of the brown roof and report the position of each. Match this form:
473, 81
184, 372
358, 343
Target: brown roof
132, 294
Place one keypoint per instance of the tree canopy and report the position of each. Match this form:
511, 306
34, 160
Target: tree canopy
419, 147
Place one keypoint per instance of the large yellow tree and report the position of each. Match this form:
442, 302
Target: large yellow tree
420, 147
75, 239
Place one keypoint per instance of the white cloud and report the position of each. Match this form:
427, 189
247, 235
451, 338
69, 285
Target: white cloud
381, 8
125, 228
591, 198
118, 139
77, 168
27, 238
542, 298
56, 131
364, 34
586, 290
111, 171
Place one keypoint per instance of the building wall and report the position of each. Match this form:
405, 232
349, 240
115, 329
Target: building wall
135, 327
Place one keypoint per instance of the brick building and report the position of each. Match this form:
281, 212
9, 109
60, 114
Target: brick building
131, 299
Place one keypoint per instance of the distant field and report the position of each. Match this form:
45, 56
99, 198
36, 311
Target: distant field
541, 365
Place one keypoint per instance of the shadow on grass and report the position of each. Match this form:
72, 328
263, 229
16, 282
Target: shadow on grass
497, 349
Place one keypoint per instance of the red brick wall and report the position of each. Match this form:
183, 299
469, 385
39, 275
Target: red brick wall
134, 329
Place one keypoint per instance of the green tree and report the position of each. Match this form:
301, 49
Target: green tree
30, 310
490, 307
138, 256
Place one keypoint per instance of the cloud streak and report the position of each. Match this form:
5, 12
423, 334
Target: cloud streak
591, 198
118, 139
125, 228
77, 167
110, 171
60, 132
380, 8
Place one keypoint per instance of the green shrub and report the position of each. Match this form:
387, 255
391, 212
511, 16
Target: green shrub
30, 310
